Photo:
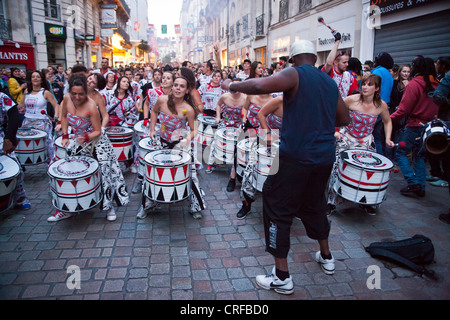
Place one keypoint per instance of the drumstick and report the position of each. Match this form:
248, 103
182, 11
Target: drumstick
320, 19
401, 144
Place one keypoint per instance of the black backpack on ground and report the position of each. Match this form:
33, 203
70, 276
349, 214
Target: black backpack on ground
412, 253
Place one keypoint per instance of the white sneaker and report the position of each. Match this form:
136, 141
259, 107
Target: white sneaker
59, 215
111, 215
133, 169
141, 213
272, 282
327, 265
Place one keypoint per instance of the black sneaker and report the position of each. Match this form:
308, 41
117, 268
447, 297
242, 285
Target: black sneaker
331, 209
413, 190
231, 185
244, 211
370, 210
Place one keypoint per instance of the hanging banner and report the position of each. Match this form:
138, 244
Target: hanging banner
164, 29
137, 26
177, 29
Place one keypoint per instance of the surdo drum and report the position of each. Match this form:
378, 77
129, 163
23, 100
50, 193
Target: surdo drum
265, 160
206, 129
60, 151
436, 137
32, 147
244, 149
122, 141
167, 176
146, 145
75, 184
9, 172
225, 144
363, 176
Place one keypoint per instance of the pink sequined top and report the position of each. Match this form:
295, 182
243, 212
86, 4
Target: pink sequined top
170, 124
361, 124
79, 125
274, 122
231, 115
252, 115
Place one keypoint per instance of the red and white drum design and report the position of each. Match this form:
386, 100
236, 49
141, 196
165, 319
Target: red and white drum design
167, 176
75, 184
9, 172
265, 164
130, 121
122, 141
146, 146
60, 151
244, 149
206, 129
225, 144
363, 176
140, 131
32, 147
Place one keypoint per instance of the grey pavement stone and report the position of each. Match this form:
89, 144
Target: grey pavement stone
169, 255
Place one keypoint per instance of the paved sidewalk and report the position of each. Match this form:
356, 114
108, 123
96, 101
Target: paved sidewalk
171, 256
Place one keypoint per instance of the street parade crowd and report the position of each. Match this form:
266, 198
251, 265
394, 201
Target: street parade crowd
305, 138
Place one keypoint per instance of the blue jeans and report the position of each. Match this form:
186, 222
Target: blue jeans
412, 144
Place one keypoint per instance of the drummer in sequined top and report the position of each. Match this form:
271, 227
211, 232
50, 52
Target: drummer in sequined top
271, 119
81, 113
177, 115
229, 114
364, 109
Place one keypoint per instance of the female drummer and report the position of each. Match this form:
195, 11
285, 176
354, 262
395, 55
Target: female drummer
167, 81
81, 113
152, 96
251, 126
120, 103
96, 84
177, 114
37, 97
364, 111
228, 114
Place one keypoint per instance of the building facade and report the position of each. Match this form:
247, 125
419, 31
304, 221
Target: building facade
264, 30
68, 32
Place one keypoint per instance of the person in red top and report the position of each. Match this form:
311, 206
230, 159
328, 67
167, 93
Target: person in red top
420, 109
336, 67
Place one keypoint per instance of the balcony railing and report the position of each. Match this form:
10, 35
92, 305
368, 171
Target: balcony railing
284, 10
305, 5
52, 10
260, 26
5, 29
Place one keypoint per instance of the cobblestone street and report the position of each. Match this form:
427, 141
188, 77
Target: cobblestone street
171, 256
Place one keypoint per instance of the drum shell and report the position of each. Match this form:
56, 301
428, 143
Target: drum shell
360, 184
206, 129
225, 144
436, 137
9, 173
122, 141
31, 148
167, 183
60, 151
264, 165
75, 194
145, 148
245, 148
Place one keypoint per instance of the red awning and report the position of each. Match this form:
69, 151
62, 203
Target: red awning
24, 55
